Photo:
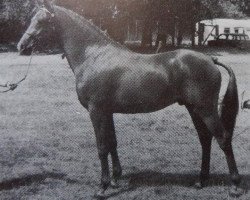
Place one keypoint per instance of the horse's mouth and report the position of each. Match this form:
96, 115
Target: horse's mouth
26, 51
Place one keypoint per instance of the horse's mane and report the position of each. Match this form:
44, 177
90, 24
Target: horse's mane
84, 23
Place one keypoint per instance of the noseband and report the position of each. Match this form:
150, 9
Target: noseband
29, 34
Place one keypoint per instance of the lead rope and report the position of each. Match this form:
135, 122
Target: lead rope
13, 86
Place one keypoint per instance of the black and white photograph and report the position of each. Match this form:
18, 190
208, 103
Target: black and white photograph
124, 99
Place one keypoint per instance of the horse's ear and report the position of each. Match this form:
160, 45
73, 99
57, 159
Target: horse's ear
49, 6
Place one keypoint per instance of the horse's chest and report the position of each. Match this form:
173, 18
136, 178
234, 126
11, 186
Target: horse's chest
84, 92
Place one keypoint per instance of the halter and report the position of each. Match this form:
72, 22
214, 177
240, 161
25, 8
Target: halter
30, 34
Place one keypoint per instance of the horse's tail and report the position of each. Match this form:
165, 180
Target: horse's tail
230, 103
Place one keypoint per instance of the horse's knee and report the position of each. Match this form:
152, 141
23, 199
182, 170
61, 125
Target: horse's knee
112, 145
103, 153
105, 150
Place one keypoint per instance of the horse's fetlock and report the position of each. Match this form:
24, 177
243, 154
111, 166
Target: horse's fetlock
236, 179
117, 172
204, 176
105, 182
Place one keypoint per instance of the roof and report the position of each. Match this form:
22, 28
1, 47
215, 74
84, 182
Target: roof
228, 22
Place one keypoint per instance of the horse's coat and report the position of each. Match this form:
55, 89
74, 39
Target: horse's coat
112, 79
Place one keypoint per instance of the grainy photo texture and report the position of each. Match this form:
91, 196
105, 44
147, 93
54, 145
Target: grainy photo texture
124, 99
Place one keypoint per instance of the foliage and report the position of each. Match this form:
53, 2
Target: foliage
167, 12
220, 8
16, 10
13, 18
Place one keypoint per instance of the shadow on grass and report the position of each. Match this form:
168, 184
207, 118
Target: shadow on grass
118, 191
151, 178
30, 179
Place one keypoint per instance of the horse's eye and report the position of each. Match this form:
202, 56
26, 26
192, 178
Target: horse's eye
41, 22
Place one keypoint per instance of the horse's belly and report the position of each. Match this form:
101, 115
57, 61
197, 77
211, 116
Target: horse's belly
145, 93
143, 101
139, 108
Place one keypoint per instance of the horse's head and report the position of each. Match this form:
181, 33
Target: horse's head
40, 23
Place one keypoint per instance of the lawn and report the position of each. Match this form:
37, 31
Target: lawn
48, 150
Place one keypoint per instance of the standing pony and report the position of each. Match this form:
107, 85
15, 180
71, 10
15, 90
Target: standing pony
112, 79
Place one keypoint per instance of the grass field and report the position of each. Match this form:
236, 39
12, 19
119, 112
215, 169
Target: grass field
48, 150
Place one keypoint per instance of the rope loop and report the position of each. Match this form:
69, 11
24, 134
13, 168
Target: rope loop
13, 86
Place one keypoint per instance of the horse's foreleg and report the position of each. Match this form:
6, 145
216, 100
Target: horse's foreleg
117, 170
225, 142
101, 124
205, 139
106, 143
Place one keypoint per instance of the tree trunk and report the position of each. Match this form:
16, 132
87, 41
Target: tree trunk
201, 29
179, 38
193, 30
180, 31
173, 30
147, 34
161, 34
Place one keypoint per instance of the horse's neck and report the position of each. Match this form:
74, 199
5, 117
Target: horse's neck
79, 40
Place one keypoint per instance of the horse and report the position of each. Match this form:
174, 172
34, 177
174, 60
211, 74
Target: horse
112, 79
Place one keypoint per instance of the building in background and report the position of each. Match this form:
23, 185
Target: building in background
210, 29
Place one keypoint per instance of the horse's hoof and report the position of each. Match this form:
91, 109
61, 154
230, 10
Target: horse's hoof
114, 184
235, 191
201, 182
198, 185
100, 195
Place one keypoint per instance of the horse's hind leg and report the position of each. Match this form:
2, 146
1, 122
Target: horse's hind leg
106, 143
224, 140
205, 139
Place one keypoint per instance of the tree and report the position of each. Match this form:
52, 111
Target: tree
13, 18
173, 17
